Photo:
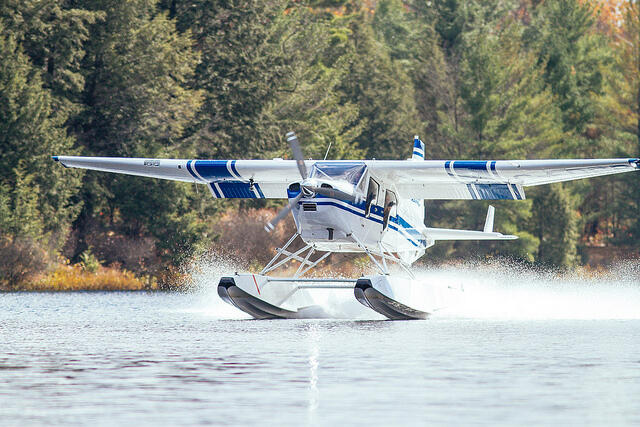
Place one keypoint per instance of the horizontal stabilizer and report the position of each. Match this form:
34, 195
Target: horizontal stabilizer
451, 234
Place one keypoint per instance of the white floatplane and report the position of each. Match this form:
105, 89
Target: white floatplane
367, 206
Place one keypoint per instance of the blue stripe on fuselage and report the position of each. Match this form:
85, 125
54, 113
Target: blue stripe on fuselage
402, 224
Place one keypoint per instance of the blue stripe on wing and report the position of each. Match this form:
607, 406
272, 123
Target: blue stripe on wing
212, 170
494, 192
238, 190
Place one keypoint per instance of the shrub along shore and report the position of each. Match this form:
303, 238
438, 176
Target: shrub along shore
66, 277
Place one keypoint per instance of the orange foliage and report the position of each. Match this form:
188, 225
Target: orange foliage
75, 278
609, 14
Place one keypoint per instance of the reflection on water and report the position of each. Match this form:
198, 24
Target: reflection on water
314, 338
519, 348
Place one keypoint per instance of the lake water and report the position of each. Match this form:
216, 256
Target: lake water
519, 348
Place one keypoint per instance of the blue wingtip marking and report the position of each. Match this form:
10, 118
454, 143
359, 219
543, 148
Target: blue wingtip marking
55, 158
471, 164
233, 168
190, 170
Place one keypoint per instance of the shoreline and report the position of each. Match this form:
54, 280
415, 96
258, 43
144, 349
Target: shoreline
77, 278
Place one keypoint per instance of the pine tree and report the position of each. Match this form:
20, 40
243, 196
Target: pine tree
138, 103
267, 69
53, 35
31, 130
555, 226
575, 59
382, 90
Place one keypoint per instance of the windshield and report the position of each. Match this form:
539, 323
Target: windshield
348, 171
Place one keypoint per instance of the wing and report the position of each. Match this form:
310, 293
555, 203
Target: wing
488, 179
225, 178
430, 179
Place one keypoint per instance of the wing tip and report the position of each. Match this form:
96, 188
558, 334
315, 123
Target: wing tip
57, 159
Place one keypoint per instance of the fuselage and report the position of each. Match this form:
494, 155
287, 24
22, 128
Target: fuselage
375, 217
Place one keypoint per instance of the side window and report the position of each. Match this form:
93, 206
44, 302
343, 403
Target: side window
372, 195
390, 203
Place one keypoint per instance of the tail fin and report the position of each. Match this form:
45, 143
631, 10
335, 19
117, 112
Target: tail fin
418, 149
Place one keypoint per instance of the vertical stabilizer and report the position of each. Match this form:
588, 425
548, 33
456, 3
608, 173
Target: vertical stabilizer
418, 149
488, 223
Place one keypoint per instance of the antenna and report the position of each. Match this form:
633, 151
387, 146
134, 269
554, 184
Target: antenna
328, 148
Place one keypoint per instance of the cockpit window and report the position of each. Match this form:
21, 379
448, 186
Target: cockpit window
348, 171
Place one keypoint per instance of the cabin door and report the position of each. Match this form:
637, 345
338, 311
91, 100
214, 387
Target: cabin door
372, 196
390, 206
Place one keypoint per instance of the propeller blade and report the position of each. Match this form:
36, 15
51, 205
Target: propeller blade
292, 139
282, 214
332, 193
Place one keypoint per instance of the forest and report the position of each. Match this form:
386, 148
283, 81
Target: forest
219, 79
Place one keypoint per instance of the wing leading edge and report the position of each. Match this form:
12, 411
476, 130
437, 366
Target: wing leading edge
430, 179
490, 179
225, 178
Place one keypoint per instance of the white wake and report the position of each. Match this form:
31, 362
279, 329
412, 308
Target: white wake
490, 291
504, 291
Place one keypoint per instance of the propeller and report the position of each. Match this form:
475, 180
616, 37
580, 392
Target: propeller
329, 192
283, 213
292, 139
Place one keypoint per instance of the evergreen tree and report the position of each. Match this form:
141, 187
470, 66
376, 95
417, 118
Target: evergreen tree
266, 70
382, 90
138, 104
36, 190
575, 59
623, 108
508, 110
53, 35
555, 226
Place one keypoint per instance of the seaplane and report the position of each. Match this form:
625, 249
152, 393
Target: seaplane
372, 207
